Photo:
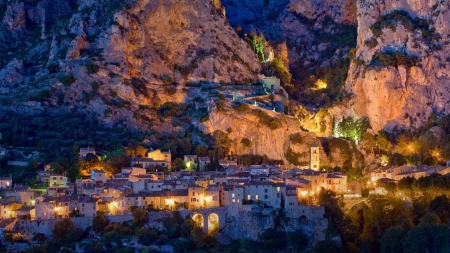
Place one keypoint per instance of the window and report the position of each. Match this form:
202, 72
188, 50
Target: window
278, 189
249, 197
232, 195
265, 196
256, 197
265, 190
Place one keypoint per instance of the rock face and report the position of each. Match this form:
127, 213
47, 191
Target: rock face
264, 141
296, 23
132, 51
401, 95
250, 226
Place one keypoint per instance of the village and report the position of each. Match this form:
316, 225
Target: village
236, 187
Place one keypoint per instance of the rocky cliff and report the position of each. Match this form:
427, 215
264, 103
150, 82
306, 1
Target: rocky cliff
400, 72
112, 57
262, 139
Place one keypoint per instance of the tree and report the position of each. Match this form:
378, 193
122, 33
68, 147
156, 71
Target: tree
147, 236
391, 240
99, 223
178, 164
139, 217
441, 206
261, 46
115, 161
327, 247
61, 229
340, 223
90, 161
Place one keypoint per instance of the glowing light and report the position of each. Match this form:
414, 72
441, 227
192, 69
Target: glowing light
320, 84
208, 198
373, 179
188, 164
304, 193
170, 202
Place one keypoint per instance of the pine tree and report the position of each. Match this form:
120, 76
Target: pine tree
261, 45
255, 42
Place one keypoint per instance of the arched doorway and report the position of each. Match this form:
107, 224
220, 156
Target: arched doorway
213, 223
302, 219
198, 219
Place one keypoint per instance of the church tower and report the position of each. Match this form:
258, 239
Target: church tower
314, 159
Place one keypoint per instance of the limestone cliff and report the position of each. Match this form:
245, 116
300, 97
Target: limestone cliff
411, 81
114, 57
264, 141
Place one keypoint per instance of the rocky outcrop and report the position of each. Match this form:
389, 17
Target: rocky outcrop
15, 16
401, 95
264, 141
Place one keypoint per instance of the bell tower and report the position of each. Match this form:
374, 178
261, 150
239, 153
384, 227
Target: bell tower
314, 159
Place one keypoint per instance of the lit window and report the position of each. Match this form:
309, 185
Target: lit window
256, 197
232, 195
249, 197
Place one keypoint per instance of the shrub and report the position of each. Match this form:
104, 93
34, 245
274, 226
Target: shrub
92, 68
67, 80
246, 142
267, 120
371, 43
95, 86
296, 138
240, 107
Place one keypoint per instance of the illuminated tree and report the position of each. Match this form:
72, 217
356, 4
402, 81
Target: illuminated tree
261, 46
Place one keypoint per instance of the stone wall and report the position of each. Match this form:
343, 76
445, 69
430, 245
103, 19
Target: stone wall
46, 226
247, 225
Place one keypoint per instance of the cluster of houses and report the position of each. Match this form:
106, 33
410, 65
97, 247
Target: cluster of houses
236, 187
395, 173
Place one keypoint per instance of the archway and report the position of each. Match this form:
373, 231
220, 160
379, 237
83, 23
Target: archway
198, 219
213, 223
302, 219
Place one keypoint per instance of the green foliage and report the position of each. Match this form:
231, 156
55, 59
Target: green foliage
340, 223
92, 68
65, 230
116, 231
249, 159
267, 120
246, 142
272, 239
293, 157
177, 227
147, 236
350, 128
390, 20
394, 59
281, 71
67, 80
115, 160
296, 138
99, 223
139, 217
222, 142
326, 247
371, 43
240, 107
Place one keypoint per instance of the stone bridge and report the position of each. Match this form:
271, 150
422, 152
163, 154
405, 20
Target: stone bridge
210, 219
